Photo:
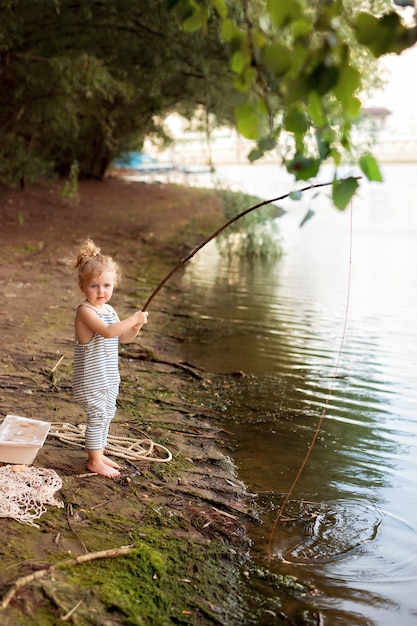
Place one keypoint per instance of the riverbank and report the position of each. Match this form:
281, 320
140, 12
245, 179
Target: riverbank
166, 542
181, 523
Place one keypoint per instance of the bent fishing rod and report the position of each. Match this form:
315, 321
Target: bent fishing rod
220, 230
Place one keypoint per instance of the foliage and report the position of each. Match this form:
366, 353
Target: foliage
300, 66
85, 81
70, 189
256, 234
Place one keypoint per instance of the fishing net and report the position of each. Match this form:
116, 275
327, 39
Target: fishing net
25, 492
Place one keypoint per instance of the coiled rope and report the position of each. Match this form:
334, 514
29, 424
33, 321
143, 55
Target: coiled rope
122, 447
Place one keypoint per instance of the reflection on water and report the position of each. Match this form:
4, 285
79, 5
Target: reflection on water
283, 325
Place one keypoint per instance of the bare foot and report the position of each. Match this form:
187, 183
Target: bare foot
108, 461
103, 469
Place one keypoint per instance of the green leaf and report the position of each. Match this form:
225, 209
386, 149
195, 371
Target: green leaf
240, 59
348, 83
302, 167
220, 7
284, 11
343, 191
297, 90
322, 146
315, 109
323, 78
267, 143
310, 213
367, 28
301, 28
245, 79
370, 167
385, 34
295, 195
355, 107
197, 20
264, 145
296, 121
276, 59
248, 123
255, 154
229, 30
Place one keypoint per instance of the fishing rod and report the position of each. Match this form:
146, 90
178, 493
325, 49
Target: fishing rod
220, 230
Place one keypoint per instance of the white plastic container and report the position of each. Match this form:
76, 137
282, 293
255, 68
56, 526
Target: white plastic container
21, 438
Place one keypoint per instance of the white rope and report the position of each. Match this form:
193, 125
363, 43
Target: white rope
123, 447
24, 492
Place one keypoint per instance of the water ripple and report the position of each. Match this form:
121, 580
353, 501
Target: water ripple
356, 532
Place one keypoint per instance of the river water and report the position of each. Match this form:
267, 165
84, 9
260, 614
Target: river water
327, 332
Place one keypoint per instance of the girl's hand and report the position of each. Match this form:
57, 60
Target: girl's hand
142, 317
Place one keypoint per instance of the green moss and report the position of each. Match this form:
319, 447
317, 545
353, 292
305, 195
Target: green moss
164, 580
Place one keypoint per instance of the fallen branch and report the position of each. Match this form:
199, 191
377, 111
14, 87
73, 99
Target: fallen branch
206, 496
182, 407
53, 377
83, 558
57, 364
200, 435
68, 616
152, 357
229, 515
12, 381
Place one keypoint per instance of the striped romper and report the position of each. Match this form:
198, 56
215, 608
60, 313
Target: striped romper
96, 381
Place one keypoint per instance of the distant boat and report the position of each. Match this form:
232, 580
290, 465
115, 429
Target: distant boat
142, 162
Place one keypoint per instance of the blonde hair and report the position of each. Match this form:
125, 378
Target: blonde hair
90, 262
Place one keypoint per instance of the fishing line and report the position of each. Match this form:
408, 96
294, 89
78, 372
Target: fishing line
329, 393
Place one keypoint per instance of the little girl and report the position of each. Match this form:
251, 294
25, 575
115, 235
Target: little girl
98, 331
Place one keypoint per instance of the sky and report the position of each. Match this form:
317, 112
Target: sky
399, 95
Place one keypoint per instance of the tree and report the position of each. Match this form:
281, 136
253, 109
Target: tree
301, 66
85, 80
82, 81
